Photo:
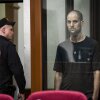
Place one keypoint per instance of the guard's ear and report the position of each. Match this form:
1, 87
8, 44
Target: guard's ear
3, 29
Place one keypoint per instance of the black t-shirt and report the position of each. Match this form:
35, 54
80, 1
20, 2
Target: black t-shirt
77, 61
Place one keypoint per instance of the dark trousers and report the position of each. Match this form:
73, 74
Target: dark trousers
89, 98
10, 90
98, 97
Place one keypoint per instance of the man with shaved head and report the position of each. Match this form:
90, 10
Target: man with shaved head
10, 63
77, 63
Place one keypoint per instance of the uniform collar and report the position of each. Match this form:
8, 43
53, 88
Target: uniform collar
4, 38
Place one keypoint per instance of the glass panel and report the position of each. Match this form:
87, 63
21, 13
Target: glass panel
55, 34
54, 30
53, 15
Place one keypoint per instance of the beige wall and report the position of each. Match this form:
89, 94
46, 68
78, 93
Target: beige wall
27, 46
24, 39
2, 10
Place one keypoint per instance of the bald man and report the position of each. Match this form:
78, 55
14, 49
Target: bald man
77, 60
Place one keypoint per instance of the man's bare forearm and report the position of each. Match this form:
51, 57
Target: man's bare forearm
58, 80
96, 85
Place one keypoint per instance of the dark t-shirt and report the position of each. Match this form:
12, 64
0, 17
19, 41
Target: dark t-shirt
77, 61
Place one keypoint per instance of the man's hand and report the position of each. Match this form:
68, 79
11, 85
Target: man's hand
21, 96
96, 85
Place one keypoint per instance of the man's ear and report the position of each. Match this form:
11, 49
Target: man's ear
82, 22
3, 30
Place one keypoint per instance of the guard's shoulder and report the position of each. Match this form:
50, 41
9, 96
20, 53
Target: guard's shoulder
5, 42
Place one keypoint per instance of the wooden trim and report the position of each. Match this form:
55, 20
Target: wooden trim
36, 48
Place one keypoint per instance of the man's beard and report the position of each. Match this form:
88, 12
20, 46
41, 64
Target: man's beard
75, 32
